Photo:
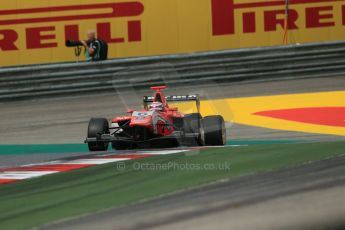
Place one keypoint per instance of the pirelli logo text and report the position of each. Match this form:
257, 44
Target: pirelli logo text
33, 32
316, 14
37, 36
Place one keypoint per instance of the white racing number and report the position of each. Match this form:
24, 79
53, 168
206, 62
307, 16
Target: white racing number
141, 115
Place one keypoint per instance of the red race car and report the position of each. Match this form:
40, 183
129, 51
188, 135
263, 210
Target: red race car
157, 125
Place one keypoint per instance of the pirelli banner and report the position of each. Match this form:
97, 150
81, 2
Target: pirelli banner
35, 31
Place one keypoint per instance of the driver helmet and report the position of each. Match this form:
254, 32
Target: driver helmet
156, 106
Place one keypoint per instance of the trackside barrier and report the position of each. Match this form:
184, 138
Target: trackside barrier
263, 64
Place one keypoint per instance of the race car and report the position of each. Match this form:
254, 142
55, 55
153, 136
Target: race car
157, 125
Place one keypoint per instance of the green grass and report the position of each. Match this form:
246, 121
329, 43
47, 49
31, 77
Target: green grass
42, 200
264, 142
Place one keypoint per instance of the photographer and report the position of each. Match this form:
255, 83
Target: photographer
95, 49
92, 47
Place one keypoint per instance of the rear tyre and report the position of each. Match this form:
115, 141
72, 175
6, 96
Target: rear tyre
97, 126
192, 124
214, 130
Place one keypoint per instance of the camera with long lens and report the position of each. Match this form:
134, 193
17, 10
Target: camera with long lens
103, 48
70, 43
77, 45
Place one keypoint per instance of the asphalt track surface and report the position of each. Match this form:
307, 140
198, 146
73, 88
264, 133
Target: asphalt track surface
65, 119
301, 198
304, 197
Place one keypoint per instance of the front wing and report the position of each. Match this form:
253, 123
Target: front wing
178, 136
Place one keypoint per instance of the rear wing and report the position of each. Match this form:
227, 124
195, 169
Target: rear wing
174, 98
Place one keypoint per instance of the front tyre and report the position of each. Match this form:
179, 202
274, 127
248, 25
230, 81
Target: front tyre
97, 126
214, 130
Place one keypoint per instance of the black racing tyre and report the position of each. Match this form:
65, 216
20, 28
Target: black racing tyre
192, 124
97, 126
214, 130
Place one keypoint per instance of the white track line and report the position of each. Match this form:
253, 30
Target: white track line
20, 175
93, 161
96, 160
162, 152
